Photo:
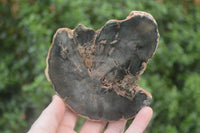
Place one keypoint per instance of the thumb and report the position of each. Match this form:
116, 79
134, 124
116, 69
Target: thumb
50, 118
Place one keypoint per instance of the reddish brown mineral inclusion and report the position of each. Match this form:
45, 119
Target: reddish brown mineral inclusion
95, 72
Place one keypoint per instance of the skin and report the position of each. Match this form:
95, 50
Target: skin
56, 118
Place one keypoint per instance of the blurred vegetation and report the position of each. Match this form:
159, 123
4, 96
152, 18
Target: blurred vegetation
172, 76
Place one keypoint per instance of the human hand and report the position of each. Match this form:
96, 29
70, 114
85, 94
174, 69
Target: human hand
56, 118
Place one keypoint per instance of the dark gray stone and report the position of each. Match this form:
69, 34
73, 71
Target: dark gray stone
95, 72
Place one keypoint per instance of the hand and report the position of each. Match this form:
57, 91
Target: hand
56, 118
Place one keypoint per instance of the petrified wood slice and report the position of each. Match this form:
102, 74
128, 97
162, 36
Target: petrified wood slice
95, 72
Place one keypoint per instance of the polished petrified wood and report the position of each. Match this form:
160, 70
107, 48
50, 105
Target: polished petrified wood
95, 72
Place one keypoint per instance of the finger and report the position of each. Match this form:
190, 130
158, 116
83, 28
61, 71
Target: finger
68, 123
141, 120
116, 127
50, 118
93, 126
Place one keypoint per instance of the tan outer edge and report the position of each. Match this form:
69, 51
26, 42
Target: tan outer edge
134, 13
146, 92
70, 34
